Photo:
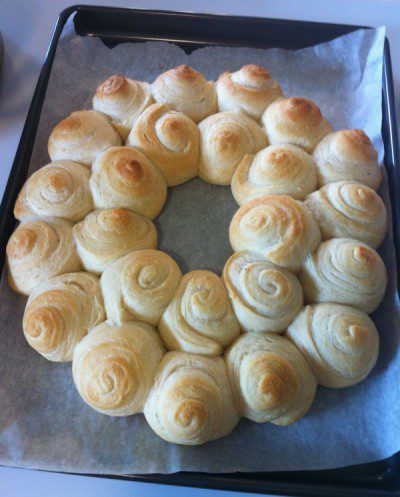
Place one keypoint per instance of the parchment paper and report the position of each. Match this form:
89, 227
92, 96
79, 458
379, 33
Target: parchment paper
43, 422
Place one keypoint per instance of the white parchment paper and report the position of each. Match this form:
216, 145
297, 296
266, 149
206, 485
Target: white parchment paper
43, 422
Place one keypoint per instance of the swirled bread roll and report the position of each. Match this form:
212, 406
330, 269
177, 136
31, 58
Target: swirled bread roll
264, 297
39, 250
340, 343
224, 140
106, 235
124, 177
345, 271
114, 368
277, 227
60, 312
59, 189
123, 100
348, 209
271, 380
139, 285
250, 89
347, 155
186, 90
191, 400
278, 169
199, 318
81, 137
297, 121
170, 139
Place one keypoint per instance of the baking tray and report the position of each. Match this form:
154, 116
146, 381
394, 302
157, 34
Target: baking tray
191, 31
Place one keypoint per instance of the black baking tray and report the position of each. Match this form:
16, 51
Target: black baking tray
191, 31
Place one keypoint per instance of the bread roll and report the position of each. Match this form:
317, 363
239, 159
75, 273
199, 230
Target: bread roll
170, 139
271, 380
60, 312
82, 136
263, 296
106, 235
139, 285
277, 227
250, 89
347, 209
123, 100
114, 368
225, 138
345, 271
191, 400
340, 343
297, 121
199, 318
59, 189
278, 169
124, 177
347, 155
186, 90
39, 250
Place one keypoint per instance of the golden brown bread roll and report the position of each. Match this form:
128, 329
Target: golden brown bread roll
199, 318
271, 380
297, 121
224, 140
340, 343
263, 296
250, 89
277, 227
123, 100
82, 136
347, 155
278, 169
348, 209
59, 189
60, 312
191, 401
106, 235
39, 250
114, 368
170, 139
124, 177
139, 285
186, 90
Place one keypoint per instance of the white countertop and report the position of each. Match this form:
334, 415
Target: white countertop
27, 28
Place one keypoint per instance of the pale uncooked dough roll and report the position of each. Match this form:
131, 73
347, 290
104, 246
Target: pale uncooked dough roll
348, 209
340, 343
297, 121
191, 400
186, 90
224, 140
124, 177
199, 318
170, 139
60, 312
347, 155
278, 169
123, 100
271, 381
39, 250
106, 235
264, 297
114, 368
276, 227
139, 285
250, 89
345, 271
82, 136
59, 189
